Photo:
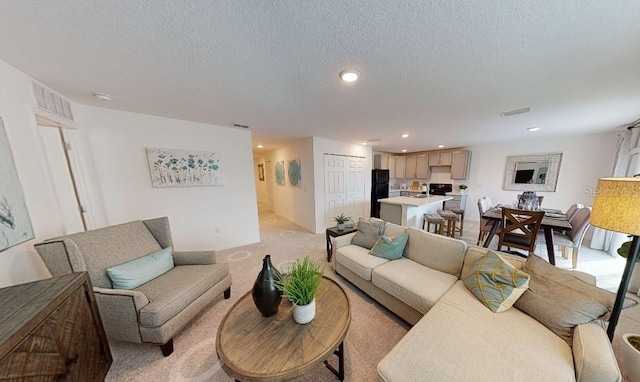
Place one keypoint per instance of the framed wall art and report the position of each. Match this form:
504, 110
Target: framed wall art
280, 173
15, 224
261, 172
294, 173
184, 168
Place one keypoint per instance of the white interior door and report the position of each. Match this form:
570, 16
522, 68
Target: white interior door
344, 187
61, 177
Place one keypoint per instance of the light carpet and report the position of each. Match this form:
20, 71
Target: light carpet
372, 334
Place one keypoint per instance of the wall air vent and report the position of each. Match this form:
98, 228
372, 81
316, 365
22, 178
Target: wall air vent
239, 126
514, 112
52, 102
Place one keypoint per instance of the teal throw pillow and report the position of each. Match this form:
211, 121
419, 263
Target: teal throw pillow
496, 283
136, 272
390, 247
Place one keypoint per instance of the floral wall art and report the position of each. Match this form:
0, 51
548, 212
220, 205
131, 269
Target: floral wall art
280, 173
294, 173
15, 225
184, 168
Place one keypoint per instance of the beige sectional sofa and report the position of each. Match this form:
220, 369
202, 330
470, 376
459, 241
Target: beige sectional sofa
455, 337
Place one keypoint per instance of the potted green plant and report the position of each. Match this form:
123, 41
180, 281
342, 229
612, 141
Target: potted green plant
300, 285
631, 355
341, 219
462, 187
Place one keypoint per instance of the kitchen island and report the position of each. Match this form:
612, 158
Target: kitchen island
408, 211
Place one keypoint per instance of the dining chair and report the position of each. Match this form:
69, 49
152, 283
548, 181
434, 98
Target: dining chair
484, 205
573, 238
573, 209
519, 229
571, 212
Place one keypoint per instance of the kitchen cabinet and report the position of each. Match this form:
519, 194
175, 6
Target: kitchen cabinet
460, 164
410, 168
401, 163
422, 166
440, 159
381, 161
392, 166
459, 201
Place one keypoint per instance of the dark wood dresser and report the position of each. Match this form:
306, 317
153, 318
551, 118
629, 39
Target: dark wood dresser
50, 330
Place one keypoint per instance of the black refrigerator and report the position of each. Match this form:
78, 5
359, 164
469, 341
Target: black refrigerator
379, 190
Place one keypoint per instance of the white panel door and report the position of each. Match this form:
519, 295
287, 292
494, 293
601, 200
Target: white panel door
355, 188
335, 191
344, 187
69, 206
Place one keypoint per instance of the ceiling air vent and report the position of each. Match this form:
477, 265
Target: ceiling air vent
52, 102
240, 126
514, 112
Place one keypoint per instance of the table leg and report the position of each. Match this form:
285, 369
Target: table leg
548, 238
492, 233
329, 247
340, 353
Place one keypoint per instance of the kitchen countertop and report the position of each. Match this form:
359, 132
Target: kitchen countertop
405, 190
416, 202
457, 193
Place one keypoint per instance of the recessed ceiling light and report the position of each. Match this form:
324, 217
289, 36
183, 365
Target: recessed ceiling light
349, 75
404, 150
440, 146
533, 129
102, 96
364, 143
260, 146
405, 135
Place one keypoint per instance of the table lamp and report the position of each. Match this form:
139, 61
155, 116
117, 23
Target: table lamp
616, 207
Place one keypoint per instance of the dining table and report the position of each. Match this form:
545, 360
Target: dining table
553, 219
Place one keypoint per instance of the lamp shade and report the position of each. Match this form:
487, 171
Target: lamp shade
616, 206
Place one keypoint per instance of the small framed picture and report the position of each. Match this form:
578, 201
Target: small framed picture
261, 172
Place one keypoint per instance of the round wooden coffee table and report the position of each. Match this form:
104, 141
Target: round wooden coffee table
255, 348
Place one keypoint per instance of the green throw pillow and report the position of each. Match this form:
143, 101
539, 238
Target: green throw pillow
136, 272
390, 247
495, 282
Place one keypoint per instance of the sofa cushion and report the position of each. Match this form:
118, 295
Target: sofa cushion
474, 253
136, 272
416, 285
391, 229
358, 260
560, 300
436, 251
461, 340
368, 233
390, 247
175, 290
496, 283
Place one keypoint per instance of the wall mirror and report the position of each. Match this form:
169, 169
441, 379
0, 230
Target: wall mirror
534, 172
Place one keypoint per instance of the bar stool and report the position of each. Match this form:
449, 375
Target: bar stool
436, 220
460, 214
451, 219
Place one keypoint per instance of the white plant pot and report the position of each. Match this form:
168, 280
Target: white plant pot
303, 314
630, 358
340, 226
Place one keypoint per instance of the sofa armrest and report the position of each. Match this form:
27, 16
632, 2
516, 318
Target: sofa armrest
341, 241
593, 355
138, 298
119, 312
194, 257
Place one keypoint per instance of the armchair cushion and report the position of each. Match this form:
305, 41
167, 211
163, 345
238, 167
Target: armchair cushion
176, 289
136, 272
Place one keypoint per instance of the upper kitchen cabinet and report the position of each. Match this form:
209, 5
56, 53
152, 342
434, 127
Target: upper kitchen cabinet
410, 167
392, 166
440, 159
422, 166
460, 163
381, 161
401, 163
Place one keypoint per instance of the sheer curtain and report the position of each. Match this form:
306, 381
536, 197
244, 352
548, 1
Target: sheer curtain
627, 163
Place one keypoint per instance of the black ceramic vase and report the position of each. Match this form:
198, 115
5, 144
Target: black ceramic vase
265, 294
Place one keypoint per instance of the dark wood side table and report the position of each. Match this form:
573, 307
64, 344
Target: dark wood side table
333, 232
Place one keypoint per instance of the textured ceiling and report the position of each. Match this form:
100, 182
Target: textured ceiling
442, 71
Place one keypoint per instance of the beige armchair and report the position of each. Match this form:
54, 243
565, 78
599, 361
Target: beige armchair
155, 311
